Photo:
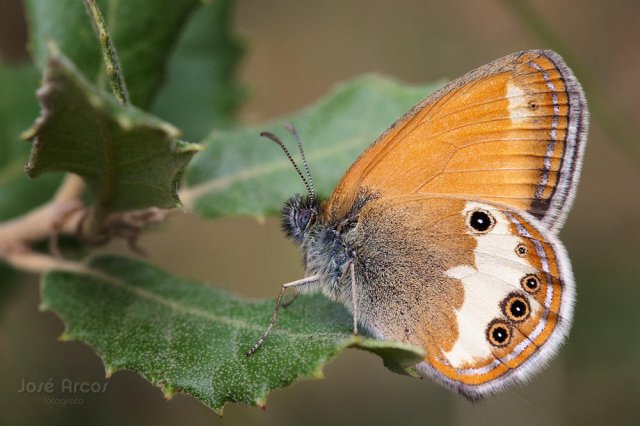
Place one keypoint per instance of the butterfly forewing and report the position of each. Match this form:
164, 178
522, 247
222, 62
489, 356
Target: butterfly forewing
512, 132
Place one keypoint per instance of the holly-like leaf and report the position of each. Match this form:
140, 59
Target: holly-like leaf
129, 159
202, 91
144, 32
186, 337
18, 193
18, 106
241, 173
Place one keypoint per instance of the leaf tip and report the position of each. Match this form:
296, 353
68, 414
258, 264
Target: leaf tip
108, 371
168, 392
29, 134
183, 147
65, 337
318, 373
96, 102
261, 402
29, 169
52, 48
172, 131
411, 371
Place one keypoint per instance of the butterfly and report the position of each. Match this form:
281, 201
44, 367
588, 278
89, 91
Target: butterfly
443, 233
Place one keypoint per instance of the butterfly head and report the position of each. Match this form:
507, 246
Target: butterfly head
299, 215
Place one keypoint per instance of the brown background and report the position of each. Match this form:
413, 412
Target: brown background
297, 51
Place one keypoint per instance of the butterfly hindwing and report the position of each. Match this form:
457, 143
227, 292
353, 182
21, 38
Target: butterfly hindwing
512, 132
486, 290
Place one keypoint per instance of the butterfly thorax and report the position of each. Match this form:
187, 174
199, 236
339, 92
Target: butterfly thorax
327, 243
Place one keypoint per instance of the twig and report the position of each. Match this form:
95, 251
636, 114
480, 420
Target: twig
61, 212
65, 214
96, 220
109, 54
34, 262
36, 225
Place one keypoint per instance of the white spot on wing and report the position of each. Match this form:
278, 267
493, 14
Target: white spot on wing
496, 273
461, 271
518, 105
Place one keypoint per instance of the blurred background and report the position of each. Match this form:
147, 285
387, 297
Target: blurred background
296, 51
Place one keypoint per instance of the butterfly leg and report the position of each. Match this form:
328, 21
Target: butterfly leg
274, 318
354, 303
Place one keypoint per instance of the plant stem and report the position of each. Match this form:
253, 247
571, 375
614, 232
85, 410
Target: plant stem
38, 263
109, 54
37, 224
60, 215
119, 89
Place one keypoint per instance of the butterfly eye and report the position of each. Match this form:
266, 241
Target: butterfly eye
480, 221
516, 307
303, 218
530, 283
521, 250
499, 333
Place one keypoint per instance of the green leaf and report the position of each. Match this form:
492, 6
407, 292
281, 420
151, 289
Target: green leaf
241, 173
129, 159
18, 106
18, 193
144, 32
201, 91
186, 337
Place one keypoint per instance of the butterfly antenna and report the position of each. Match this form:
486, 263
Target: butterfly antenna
290, 127
277, 140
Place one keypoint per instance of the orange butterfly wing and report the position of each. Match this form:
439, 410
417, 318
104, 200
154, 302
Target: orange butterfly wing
431, 277
512, 131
